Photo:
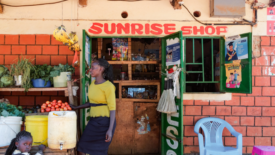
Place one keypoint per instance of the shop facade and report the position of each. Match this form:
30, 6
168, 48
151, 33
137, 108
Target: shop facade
28, 31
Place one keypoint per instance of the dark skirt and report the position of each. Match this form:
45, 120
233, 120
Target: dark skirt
92, 141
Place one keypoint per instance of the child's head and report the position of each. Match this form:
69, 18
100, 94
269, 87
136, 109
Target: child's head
101, 66
22, 142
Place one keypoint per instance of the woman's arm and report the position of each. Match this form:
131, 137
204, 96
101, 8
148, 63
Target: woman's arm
83, 106
110, 130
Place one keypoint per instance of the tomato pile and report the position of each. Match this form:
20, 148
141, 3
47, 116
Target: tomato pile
55, 106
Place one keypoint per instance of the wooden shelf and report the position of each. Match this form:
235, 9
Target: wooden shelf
137, 82
35, 89
132, 62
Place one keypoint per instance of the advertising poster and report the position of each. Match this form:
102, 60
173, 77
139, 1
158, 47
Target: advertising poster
270, 21
233, 74
172, 52
236, 49
87, 51
120, 48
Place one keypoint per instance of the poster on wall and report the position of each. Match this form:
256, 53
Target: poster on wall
87, 50
233, 74
172, 52
270, 21
120, 49
236, 48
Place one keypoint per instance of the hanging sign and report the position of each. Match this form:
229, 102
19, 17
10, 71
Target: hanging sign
236, 48
172, 52
233, 74
270, 21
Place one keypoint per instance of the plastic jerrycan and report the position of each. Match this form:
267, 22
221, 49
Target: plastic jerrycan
9, 127
62, 130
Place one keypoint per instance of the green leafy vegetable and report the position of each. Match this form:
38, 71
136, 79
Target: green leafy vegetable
10, 110
62, 68
42, 72
6, 80
3, 70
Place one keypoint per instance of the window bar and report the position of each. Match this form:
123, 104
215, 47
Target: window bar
193, 50
202, 59
202, 81
194, 63
212, 60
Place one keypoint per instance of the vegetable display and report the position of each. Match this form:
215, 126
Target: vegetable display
42, 72
62, 68
3, 70
10, 110
6, 80
55, 106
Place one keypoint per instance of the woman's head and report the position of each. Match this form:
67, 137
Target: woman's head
22, 142
103, 68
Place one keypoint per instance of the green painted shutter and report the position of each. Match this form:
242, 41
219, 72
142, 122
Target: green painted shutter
172, 126
246, 83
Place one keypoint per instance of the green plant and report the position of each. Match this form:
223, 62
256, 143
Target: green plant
6, 80
62, 68
42, 72
10, 110
3, 70
23, 67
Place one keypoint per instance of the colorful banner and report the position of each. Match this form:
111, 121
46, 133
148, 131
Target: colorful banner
233, 74
120, 49
236, 49
172, 52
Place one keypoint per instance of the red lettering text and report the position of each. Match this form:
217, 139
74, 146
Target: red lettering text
147, 28
96, 28
186, 29
168, 27
221, 29
125, 28
113, 28
137, 29
207, 30
156, 29
196, 30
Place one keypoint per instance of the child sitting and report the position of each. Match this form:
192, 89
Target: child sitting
22, 144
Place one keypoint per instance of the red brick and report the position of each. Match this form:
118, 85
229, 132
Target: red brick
199, 102
263, 141
1, 59
196, 118
249, 149
196, 141
43, 39
188, 120
188, 102
30, 57
256, 91
234, 101
253, 80
188, 141
61, 93
244, 149
10, 59
256, 70
233, 120
189, 131
268, 111
273, 141
216, 102
272, 60
27, 39
56, 60
268, 131
223, 110
254, 111
238, 111
262, 101
5, 49
265, 40
70, 60
262, 81
262, 61
18, 93
49, 93
191, 149
272, 81
248, 141
241, 129
2, 39
247, 101
226, 132
267, 50
26, 100
273, 101
77, 71
268, 91
5, 93
41, 60
268, 71
12, 39
247, 121
193, 110
63, 99
34, 93
272, 40
254, 131
34, 49
262, 121
41, 99
13, 99
238, 94
18, 49
65, 50
50, 50
229, 141
273, 122
55, 42
208, 110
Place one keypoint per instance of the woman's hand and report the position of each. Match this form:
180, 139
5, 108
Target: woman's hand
73, 107
109, 136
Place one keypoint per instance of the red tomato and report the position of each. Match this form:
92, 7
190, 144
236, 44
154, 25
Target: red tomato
53, 109
59, 101
57, 109
56, 106
69, 108
66, 103
48, 102
54, 101
44, 104
65, 108
49, 105
48, 109
42, 110
53, 104
59, 104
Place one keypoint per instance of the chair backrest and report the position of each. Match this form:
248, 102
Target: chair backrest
212, 129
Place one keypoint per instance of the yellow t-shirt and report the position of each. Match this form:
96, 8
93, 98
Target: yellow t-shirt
102, 93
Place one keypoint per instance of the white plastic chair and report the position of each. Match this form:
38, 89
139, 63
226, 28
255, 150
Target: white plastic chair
211, 143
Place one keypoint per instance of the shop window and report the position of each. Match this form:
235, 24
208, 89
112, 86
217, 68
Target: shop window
140, 92
145, 49
145, 72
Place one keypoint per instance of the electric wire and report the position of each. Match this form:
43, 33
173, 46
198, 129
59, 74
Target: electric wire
32, 4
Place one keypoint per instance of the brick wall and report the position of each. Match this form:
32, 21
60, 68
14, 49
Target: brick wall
253, 115
44, 49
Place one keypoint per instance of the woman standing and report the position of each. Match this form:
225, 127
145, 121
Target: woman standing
99, 131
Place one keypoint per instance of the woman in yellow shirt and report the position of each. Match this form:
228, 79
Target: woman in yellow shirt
99, 131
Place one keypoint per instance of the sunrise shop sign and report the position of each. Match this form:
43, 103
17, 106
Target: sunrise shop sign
152, 29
